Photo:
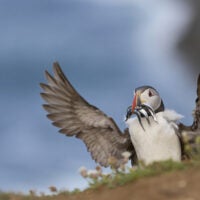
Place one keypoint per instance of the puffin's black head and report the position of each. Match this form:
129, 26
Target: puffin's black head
147, 95
146, 102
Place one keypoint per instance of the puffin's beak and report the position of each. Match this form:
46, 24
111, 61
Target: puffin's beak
136, 101
135, 104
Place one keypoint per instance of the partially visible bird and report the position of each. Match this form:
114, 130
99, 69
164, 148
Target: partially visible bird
153, 136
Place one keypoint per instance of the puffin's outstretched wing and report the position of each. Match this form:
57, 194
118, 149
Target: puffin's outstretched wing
191, 132
76, 117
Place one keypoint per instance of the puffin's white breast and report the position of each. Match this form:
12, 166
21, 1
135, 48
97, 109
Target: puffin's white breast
159, 141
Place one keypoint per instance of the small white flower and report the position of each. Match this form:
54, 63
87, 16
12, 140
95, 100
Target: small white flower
93, 174
83, 171
126, 154
99, 170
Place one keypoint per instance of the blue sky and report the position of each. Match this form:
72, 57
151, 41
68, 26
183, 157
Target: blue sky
106, 49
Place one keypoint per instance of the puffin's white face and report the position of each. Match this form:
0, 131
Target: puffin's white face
151, 97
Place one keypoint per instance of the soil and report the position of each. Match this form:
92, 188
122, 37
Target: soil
181, 185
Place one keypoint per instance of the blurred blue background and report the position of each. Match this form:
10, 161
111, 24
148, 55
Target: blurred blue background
106, 48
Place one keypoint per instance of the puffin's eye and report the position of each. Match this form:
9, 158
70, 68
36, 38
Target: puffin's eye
150, 93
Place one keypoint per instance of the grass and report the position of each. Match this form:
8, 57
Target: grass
114, 179
118, 176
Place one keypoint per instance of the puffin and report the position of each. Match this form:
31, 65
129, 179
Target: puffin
155, 134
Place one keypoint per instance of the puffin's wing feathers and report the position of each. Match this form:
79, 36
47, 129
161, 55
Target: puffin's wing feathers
76, 117
191, 132
197, 109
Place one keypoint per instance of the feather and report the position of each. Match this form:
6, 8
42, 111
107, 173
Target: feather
70, 112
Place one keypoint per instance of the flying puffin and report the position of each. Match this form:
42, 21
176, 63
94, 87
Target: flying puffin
154, 135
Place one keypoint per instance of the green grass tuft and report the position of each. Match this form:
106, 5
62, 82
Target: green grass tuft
118, 178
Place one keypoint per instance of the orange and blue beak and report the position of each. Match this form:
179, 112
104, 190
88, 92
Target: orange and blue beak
135, 104
136, 101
